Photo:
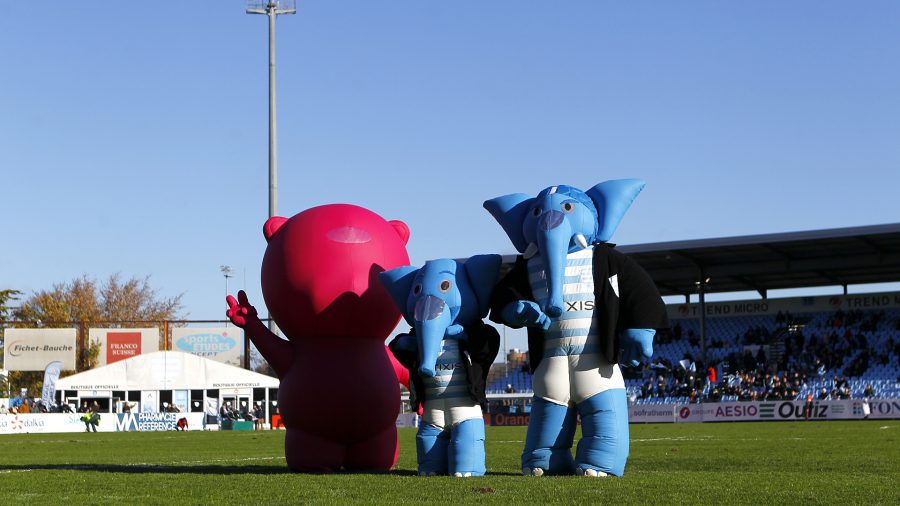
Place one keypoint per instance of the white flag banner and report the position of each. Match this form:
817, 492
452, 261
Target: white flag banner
212, 406
148, 401
687, 365
51, 374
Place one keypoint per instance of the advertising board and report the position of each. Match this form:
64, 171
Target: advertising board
651, 413
507, 419
33, 349
47, 423
222, 344
407, 420
146, 422
851, 409
119, 344
109, 422
796, 305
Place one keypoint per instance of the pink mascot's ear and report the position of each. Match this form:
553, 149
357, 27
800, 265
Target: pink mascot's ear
402, 230
272, 225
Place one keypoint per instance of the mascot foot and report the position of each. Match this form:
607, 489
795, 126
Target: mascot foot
548, 442
423, 473
604, 433
591, 472
462, 475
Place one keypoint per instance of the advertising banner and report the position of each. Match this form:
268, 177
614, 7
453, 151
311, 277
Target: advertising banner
740, 411
43, 423
852, 409
109, 422
881, 408
781, 410
651, 413
222, 344
407, 420
119, 344
507, 419
796, 305
145, 422
33, 349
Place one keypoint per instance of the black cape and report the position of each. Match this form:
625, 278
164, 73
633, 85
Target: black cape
638, 304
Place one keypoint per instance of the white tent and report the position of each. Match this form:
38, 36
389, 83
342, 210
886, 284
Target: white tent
153, 377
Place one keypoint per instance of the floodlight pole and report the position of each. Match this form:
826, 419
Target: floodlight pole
273, 137
272, 9
702, 286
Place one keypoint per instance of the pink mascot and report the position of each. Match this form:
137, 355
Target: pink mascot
339, 394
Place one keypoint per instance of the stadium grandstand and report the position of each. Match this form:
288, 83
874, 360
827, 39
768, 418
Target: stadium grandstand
832, 346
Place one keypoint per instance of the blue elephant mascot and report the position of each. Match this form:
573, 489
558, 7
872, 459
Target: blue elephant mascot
584, 303
448, 352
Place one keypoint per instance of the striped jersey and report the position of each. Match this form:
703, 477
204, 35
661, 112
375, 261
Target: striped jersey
571, 333
449, 379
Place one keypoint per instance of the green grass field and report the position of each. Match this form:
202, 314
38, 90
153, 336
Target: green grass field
728, 463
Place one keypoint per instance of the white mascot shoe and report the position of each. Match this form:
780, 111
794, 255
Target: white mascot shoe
592, 473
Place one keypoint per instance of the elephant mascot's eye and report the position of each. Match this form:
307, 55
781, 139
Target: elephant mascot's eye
536, 211
445, 286
568, 207
417, 289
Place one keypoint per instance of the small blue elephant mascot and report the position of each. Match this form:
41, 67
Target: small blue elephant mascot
448, 352
582, 302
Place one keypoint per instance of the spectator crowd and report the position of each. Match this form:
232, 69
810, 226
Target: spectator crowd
777, 364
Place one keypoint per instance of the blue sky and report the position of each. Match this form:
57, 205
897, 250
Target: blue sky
134, 139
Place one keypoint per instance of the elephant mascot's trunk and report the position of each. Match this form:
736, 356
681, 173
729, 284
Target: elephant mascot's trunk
432, 318
554, 235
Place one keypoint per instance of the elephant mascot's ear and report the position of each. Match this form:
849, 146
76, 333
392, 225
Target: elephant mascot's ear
510, 211
612, 199
482, 272
399, 283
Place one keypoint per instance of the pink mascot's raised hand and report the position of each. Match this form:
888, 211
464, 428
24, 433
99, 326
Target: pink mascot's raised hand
339, 395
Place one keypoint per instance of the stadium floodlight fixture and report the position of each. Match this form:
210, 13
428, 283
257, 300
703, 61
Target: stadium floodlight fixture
272, 8
228, 272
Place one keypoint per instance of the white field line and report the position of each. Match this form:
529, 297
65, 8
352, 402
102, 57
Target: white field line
678, 438
207, 461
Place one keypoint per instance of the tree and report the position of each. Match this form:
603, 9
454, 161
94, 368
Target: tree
84, 301
265, 368
6, 296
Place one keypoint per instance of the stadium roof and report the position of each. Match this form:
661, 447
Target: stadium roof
840, 256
